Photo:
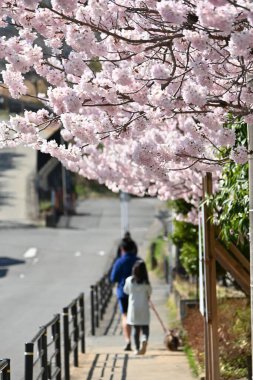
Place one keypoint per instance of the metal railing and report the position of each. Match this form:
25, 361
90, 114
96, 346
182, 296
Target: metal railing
46, 345
73, 332
47, 364
5, 370
100, 295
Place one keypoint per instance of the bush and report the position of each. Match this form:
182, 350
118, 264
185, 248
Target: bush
157, 255
185, 236
233, 334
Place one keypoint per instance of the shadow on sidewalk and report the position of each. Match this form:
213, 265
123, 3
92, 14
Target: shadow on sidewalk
109, 366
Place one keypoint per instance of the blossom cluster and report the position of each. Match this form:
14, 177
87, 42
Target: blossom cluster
140, 90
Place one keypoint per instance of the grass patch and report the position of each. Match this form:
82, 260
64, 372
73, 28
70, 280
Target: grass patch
173, 314
185, 288
193, 364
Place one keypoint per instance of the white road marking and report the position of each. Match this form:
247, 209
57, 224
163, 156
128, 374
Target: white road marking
30, 253
101, 253
21, 275
77, 254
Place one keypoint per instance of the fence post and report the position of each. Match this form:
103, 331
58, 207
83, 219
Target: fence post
96, 305
44, 362
93, 327
5, 373
76, 332
82, 321
57, 337
28, 361
101, 291
8, 370
108, 292
66, 342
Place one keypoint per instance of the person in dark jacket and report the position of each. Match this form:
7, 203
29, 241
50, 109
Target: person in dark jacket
128, 237
122, 268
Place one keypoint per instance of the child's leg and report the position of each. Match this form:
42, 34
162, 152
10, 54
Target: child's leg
145, 332
144, 339
137, 330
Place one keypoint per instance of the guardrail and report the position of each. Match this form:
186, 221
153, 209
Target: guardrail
5, 370
46, 345
73, 331
47, 364
100, 295
43, 354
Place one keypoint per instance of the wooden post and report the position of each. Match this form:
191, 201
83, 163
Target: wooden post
250, 160
211, 323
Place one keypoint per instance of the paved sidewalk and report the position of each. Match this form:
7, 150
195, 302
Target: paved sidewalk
105, 359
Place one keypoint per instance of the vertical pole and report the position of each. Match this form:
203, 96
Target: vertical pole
211, 323
44, 355
124, 212
5, 373
64, 191
82, 321
76, 332
250, 160
92, 310
8, 370
201, 280
64, 185
57, 342
29, 361
96, 305
101, 296
170, 254
66, 342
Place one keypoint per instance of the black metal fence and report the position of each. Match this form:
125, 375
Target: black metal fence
43, 358
43, 353
73, 332
56, 344
100, 295
5, 370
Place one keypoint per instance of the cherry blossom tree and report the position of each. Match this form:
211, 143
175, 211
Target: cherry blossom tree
139, 89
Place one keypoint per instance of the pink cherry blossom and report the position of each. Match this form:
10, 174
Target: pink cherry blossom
140, 90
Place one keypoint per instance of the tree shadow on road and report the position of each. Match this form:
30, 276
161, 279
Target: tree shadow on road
5, 262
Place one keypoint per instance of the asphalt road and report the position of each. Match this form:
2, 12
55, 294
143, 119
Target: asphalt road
43, 269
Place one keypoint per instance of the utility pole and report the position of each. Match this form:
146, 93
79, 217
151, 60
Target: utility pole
124, 199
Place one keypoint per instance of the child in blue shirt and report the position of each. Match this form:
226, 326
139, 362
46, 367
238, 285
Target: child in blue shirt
122, 269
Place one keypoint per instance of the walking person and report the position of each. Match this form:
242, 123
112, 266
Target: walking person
128, 236
138, 288
122, 268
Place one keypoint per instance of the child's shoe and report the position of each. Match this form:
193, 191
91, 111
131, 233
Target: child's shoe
127, 347
143, 348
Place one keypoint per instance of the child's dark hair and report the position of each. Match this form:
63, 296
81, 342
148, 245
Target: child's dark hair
140, 273
127, 245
